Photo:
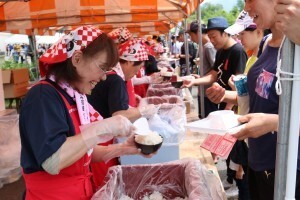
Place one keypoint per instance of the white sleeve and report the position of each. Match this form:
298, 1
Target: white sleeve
142, 80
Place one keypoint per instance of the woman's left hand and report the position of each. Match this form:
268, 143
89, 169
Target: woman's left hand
257, 124
130, 148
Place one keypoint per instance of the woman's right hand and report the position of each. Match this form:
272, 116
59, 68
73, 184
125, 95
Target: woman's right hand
117, 126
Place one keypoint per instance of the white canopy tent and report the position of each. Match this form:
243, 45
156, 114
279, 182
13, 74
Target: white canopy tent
23, 39
17, 39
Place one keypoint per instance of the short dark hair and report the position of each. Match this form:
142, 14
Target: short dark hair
135, 63
221, 30
67, 72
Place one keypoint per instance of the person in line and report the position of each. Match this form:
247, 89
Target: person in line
230, 58
209, 54
192, 54
263, 104
59, 130
251, 38
175, 46
249, 35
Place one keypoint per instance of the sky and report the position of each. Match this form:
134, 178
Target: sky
227, 4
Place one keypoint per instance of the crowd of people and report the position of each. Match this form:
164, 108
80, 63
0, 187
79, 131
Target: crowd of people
258, 170
19, 53
69, 121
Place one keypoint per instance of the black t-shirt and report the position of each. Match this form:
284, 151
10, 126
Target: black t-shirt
192, 53
151, 65
109, 96
233, 61
45, 124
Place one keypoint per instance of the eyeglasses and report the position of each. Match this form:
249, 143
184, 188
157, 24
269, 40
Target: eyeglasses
101, 68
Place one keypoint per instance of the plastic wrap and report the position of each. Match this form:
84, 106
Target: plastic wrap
162, 91
182, 178
171, 99
164, 65
161, 85
10, 149
9, 129
171, 118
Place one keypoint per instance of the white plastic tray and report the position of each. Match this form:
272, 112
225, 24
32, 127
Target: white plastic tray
220, 122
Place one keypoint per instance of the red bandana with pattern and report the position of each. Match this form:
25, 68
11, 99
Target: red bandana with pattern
133, 50
78, 39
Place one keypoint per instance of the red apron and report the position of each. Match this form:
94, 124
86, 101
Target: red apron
131, 93
73, 182
100, 169
141, 89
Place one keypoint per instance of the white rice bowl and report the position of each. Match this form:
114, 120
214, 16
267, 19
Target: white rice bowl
153, 138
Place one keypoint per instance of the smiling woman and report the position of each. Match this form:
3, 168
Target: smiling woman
58, 139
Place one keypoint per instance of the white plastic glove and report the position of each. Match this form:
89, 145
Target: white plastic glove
149, 110
156, 78
142, 80
104, 130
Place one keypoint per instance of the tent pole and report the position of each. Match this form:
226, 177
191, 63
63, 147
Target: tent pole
294, 132
186, 47
200, 68
32, 43
284, 122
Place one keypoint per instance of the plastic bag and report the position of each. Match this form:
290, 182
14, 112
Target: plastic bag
186, 94
170, 123
182, 178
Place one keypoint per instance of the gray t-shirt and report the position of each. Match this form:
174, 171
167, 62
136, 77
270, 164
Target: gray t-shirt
209, 55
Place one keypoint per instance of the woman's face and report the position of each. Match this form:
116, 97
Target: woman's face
91, 71
262, 12
129, 70
250, 39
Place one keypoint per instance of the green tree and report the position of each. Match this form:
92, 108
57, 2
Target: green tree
240, 4
209, 10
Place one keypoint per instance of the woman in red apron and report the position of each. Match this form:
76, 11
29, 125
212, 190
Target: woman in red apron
113, 96
57, 136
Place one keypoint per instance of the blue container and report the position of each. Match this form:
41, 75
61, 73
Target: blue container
240, 82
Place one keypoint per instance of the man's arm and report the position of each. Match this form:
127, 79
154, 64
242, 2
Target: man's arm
208, 79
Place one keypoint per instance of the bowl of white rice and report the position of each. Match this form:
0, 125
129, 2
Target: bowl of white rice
148, 143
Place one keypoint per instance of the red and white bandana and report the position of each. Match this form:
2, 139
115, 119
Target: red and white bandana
78, 39
120, 35
158, 48
133, 50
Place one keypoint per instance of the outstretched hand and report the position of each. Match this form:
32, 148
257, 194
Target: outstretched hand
257, 124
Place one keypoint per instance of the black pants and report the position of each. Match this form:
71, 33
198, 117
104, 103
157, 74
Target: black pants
242, 184
208, 107
261, 184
